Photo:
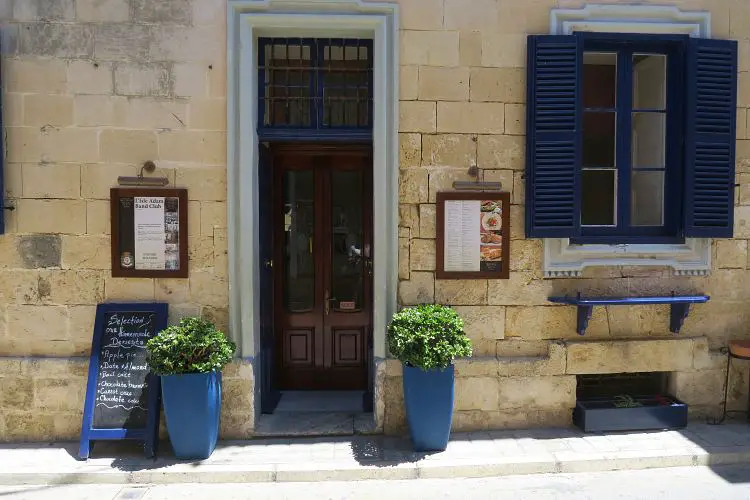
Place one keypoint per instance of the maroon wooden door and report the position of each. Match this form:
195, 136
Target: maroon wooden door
323, 247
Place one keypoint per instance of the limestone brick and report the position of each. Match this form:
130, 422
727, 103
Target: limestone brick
44, 10
213, 215
38, 251
500, 50
410, 150
47, 109
34, 75
741, 123
10, 257
221, 253
59, 394
102, 10
431, 48
483, 322
408, 216
125, 42
743, 155
97, 179
417, 116
522, 288
443, 84
449, 150
80, 330
26, 426
99, 110
743, 193
52, 216
476, 367
476, 393
155, 113
13, 180
204, 183
742, 222
162, 11
731, 254
705, 387
475, 15
537, 392
413, 186
201, 252
194, 217
727, 284
190, 79
194, 146
408, 82
13, 109
501, 152
17, 392
515, 119
179, 311
50, 144
208, 12
208, 289
134, 146
504, 177
470, 117
551, 322
419, 289
532, 366
51, 181
422, 255
526, 255
466, 421
403, 258
129, 288
427, 220
217, 78
56, 40
142, 80
208, 114
629, 356
394, 419
86, 252
97, 217
705, 359
421, 15
182, 43
498, 84
638, 321
81, 286
461, 292
36, 330
21, 286
470, 48
86, 77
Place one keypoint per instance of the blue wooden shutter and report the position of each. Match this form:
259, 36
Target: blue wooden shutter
711, 110
553, 130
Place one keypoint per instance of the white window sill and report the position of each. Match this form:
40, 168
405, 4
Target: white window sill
564, 259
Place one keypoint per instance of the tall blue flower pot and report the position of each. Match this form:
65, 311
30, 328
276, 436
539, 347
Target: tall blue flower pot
192, 407
428, 396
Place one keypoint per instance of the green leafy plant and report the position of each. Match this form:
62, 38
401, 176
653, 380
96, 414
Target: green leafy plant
428, 336
626, 401
193, 346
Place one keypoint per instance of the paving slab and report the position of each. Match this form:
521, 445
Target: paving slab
362, 457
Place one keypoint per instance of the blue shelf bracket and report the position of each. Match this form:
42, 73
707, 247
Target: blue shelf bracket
584, 315
679, 307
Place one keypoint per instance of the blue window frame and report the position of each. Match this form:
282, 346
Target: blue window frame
630, 138
315, 89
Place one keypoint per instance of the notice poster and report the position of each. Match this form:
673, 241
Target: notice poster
149, 232
473, 235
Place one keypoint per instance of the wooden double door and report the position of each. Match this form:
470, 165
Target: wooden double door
322, 266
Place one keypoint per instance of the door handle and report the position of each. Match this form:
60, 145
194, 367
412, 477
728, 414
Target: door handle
327, 302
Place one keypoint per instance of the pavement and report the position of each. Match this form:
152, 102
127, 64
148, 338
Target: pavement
352, 458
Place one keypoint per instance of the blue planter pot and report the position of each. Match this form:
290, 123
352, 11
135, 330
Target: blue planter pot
192, 407
428, 397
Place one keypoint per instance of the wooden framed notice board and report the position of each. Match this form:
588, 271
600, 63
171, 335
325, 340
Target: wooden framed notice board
122, 395
149, 232
473, 235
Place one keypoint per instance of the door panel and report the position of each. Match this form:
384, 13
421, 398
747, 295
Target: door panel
323, 230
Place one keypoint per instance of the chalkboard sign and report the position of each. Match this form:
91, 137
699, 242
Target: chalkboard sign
122, 396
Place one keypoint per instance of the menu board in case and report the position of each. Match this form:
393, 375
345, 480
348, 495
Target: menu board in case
149, 233
473, 235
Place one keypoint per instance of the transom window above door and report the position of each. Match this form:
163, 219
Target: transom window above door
630, 137
315, 88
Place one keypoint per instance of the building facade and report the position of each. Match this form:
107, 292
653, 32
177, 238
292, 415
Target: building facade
313, 137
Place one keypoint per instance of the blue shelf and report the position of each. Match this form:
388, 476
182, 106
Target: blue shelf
679, 306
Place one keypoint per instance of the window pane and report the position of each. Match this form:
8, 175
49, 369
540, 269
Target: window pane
599, 132
648, 140
599, 198
288, 78
649, 81
299, 224
647, 198
348, 238
599, 79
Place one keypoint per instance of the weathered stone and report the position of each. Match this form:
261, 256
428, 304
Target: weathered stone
470, 48
731, 254
449, 150
443, 84
16, 393
461, 292
47, 109
471, 117
56, 40
80, 328
394, 421
98, 219
209, 289
163, 11
59, 394
410, 150
505, 178
522, 288
81, 286
534, 366
485, 366
475, 15
35, 75
128, 146
466, 421
526, 255
44, 10
403, 258
179, 311
102, 10
498, 84
85, 77
40, 250
417, 116
705, 387
52, 181
515, 347
483, 322
477, 393
219, 316
639, 320
552, 322
408, 83
201, 252
129, 288
442, 180
408, 215
419, 289
198, 146
501, 50
537, 392
149, 79
36, 330
427, 219
213, 216
422, 255
629, 356
413, 185
421, 15
206, 184
432, 48
28, 426
179, 43
704, 359
121, 42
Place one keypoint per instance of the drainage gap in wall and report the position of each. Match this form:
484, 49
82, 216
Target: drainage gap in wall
626, 401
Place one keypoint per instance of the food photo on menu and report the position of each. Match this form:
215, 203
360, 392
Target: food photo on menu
491, 235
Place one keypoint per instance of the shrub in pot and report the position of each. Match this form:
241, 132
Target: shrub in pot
426, 339
189, 358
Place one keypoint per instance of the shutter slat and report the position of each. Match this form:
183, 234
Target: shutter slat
710, 138
553, 127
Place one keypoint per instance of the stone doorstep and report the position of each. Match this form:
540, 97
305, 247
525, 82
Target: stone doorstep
481, 454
